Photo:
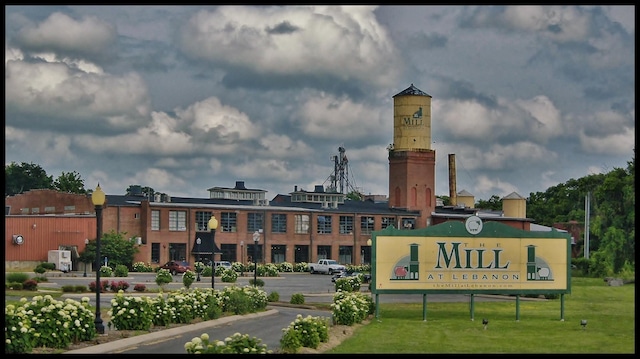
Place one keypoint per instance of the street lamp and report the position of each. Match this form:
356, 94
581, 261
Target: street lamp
198, 241
256, 239
213, 225
86, 241
98, 198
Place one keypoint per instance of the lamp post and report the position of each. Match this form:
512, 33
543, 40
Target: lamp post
370, 251
213, 225
242, 258
86, 241
98, 198
198, 241
256, 239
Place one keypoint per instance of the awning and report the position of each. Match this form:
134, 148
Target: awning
206, 246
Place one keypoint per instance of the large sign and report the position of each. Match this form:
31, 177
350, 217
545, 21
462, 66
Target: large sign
471, 257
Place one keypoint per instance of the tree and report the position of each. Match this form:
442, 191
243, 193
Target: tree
70, 182
355, 196
114, 246
494, 203
612, 219
20, 178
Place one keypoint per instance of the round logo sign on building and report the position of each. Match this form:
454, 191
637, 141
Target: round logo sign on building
473, 225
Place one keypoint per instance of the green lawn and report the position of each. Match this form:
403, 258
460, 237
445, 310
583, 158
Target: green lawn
609, 311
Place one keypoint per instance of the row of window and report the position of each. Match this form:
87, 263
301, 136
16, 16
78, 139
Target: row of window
228, 222
230, 252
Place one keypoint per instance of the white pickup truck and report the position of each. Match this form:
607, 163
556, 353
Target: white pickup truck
326, 266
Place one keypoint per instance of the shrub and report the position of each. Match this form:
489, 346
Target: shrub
48, 266
142, 267
130, 313
40, 279
13, 286
163, 277
119, 286
54, 328
106, 271
268, 270
16, 277
285, 267
273, 297
68, 289
238, 267
349, 308
188, 278
206, 271
306, 332
258, 282
30, 284
40, 269
236, 344
238, 302
104, 285
349, 284
301, 267
139, 287
229, 275
121, 271
297, 298
81, 289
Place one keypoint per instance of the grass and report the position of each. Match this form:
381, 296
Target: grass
610, 312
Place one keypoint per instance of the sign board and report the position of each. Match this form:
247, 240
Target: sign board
471, 257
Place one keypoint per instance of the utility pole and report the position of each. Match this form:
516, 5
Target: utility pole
587, 205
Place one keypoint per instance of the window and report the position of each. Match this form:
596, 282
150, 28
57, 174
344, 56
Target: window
254, 222
228, 221
155, 220
278, 223
324, 252
346, 224
136, 215
202, 221
177, 220
302, 223
155, 252
408, 223
345, 254
366, 225
387, 221
324, 224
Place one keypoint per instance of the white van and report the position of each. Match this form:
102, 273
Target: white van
225, 264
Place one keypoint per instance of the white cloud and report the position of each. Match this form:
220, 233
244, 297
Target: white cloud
344, 41
61, 33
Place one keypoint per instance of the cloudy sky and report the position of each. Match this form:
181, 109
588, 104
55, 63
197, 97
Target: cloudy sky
185, 98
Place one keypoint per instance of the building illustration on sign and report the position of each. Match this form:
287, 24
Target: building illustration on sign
537, 268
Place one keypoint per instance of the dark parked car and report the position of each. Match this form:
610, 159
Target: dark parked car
366, 277
176, 267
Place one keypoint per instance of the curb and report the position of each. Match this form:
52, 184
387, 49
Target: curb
123, 344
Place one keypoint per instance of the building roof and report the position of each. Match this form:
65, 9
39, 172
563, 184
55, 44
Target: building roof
206, 246
412, 90
279, 202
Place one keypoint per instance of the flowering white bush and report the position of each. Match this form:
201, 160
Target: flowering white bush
236, 344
